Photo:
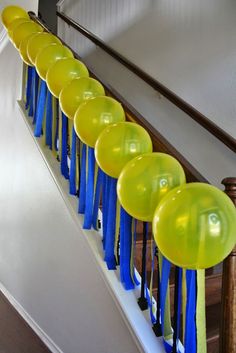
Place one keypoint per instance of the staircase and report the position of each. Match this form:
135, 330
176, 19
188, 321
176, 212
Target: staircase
213, 290
214, 275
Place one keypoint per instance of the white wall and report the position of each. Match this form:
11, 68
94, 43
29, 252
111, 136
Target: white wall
188, 45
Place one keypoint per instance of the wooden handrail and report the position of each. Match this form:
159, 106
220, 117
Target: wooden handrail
201, 119
159, 141
228, 301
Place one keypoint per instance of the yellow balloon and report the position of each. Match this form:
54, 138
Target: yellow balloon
76, 92
93, 116
64, 71
38, 42
48, 56
15, 24
23, 30
145, 180
23, 49
194, 226
118, 144
11, 13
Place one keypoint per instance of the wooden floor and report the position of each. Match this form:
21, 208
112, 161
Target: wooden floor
15, 335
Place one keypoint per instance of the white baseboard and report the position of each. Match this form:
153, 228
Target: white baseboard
35, 327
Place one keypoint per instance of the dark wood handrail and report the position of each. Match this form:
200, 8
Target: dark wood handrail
159, 142
201, 119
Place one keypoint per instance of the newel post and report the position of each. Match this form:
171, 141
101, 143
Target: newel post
228, 302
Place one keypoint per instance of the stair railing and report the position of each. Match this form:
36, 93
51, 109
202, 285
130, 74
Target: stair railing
160, 144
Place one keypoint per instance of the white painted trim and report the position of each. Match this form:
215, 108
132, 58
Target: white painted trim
35, 327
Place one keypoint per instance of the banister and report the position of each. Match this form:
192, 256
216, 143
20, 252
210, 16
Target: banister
228, 317
159, 141
201, 119
228, 301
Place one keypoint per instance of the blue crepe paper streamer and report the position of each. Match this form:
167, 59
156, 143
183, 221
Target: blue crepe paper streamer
126, 249
122, 230
35, 93
49, 120
136, 281
28, 86
179, 297
190, 342
57, 126
82, 188
88, 215
72, 176
97, 197
32, 93
179, 303
40, 109
64, 131
111, 223
105, 204
31, 101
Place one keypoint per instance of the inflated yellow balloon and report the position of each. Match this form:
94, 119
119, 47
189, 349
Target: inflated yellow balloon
194, 226
93, 116
48, 56
76, 92
11, 13
38, 42
64, 71
15, 24
145, 180
118, 144
23, 30
23, 49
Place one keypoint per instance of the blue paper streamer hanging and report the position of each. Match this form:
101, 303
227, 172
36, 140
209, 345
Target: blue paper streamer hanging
136, 281
177, 308
28, 86
33, 94
56, 116
97, 198
40, 109
111, 223
126, 249
73, 156
190, 341
35, 86
82, 188
179, 303
64, 135
49, 120
88, 215
105, 204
